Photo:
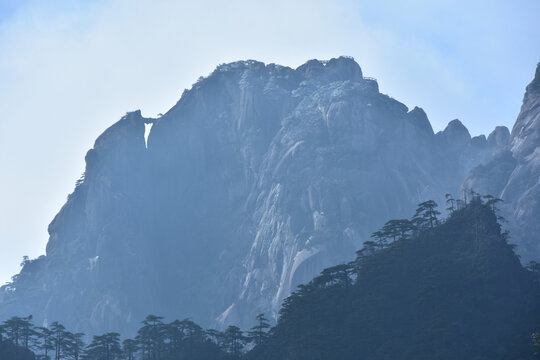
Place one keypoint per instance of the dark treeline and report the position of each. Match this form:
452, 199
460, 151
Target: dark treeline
155, 339
423, 288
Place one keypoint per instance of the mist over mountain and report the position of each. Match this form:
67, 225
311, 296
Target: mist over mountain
256, 180
430, 287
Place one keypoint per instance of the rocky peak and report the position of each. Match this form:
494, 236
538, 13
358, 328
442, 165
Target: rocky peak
479, 141
419, 119
456, 133
534, 87
499, 138
526, 131
336, 69
117, 154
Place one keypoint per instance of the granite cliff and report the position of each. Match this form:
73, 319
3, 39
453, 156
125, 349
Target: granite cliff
258, 178
513, 174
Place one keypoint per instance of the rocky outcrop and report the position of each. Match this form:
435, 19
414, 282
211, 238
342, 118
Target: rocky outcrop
258, 178
514, 174
499, 138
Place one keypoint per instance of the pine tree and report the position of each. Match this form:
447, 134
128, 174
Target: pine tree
426, 215
129, 349
215, 337
28, 331
20, 331
104, 347
13, 328
151, 336
59, 337
174, 335
451, 202
381, 239
74, 345
46, 337
369, 248
336, 275
191, 330
492, 202
398, 229
259, 332
234, 340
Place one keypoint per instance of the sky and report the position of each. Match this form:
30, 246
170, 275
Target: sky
71, 68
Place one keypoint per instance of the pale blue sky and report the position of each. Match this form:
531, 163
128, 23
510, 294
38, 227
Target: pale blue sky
69, 69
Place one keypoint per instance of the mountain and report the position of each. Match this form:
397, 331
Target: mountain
514, 173
425, 288
257, 179
454, 291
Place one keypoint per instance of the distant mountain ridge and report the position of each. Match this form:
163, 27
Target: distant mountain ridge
258, 178
514, 174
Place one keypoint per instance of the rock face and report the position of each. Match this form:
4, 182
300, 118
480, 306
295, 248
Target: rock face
514, 174
257, 179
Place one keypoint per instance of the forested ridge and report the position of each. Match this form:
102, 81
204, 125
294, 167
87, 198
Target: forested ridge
423, 288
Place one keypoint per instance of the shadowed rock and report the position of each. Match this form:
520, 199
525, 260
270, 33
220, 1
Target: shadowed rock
258, 178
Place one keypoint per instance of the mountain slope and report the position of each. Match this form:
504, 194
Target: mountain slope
456, 291
258, 178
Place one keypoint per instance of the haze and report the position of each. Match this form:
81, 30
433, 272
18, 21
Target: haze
70, 69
